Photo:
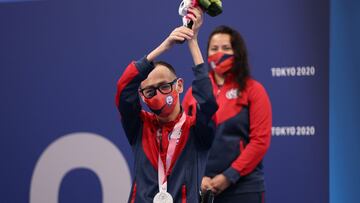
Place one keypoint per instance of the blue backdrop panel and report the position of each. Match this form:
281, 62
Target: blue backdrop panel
344, 101
60, 60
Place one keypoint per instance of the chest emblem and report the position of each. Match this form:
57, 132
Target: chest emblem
169, 100
232, 94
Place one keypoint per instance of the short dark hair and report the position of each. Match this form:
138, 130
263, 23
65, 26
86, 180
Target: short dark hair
167, 65
241, 68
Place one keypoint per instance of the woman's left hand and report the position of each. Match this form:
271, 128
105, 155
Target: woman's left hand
219, 183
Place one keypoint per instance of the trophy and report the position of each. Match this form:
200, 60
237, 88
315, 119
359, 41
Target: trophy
211, 7
207, 197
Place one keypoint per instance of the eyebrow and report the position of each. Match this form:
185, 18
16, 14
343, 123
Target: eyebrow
158, 84
215, 45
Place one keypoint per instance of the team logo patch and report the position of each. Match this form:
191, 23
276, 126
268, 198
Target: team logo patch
169, 100
175, 135
232, 94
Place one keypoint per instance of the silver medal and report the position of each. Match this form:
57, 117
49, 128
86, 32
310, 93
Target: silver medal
163, 197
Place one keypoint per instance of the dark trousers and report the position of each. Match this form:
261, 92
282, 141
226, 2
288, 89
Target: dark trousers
252, 197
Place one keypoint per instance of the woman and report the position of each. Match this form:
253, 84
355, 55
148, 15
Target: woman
234, 170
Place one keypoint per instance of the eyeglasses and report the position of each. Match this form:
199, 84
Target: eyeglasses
166, 88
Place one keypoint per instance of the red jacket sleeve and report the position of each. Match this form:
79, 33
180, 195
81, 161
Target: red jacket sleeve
260, 130
127, 97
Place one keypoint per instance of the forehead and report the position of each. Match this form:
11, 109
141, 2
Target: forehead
220, 39
159, 74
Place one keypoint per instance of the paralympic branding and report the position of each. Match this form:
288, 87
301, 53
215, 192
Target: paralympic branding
75, 151
293, 71
293, 131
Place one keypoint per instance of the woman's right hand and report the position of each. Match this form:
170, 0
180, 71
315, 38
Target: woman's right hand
205, 184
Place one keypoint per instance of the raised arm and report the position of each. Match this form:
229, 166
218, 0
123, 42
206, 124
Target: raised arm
127, 97
197, 18
202, 91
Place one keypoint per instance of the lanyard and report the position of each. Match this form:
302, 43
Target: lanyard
174, 137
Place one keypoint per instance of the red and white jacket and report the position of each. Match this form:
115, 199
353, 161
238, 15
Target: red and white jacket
243, 132
197, 133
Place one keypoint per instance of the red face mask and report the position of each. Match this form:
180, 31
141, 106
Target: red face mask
221, 63
162, 104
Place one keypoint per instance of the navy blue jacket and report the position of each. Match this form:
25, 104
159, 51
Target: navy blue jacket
140, 128
243, 133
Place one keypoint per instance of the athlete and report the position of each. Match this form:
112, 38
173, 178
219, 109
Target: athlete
169, 147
